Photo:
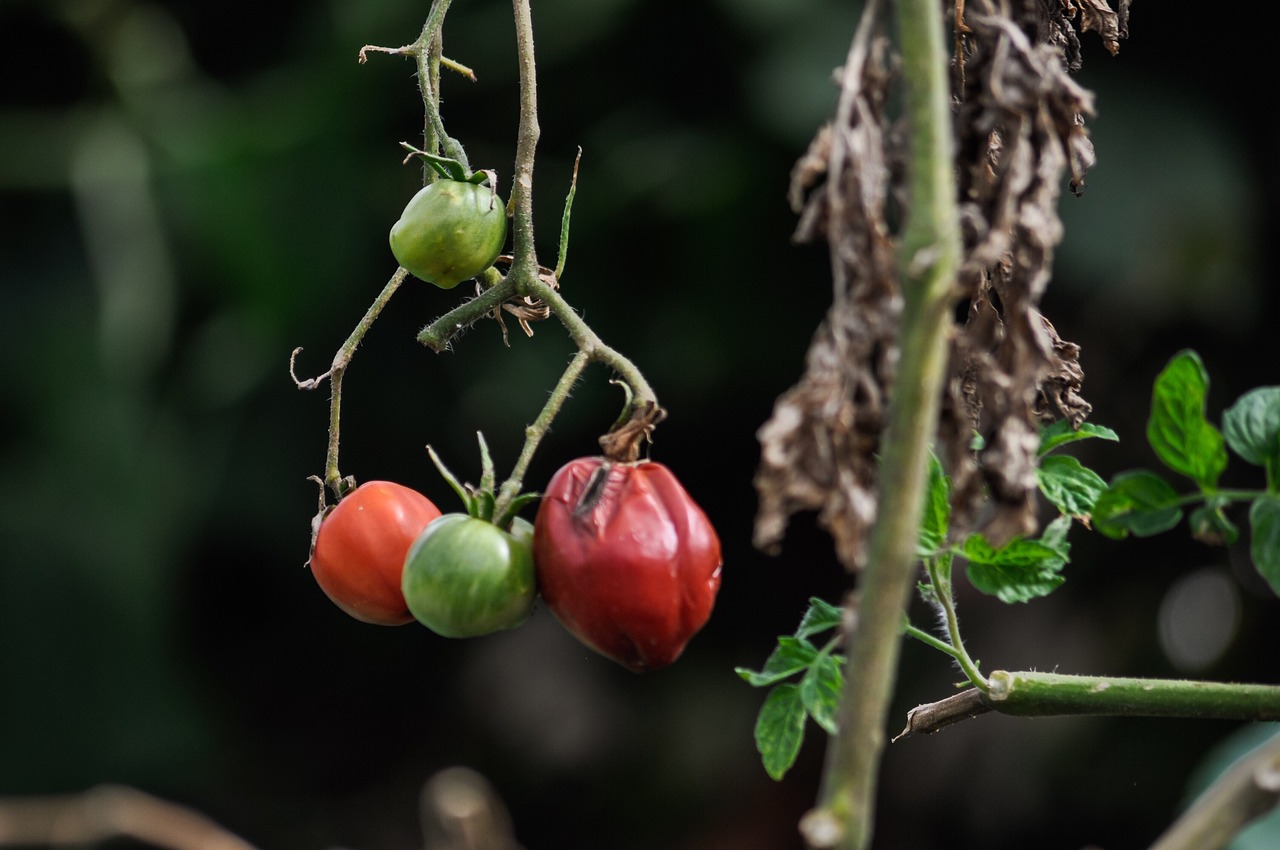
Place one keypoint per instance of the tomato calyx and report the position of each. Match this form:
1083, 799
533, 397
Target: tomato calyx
341, 488
633, 429
452, 169
481, 502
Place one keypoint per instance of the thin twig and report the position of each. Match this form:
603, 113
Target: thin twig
106, 812
931, 717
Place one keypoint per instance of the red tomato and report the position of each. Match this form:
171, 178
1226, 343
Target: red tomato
360, 549
626, 560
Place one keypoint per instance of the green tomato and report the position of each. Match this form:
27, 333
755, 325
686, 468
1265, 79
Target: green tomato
465, 577
450, 232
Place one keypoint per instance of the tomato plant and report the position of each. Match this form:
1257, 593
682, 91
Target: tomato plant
360, 548
466, 577
450, 231
627, 561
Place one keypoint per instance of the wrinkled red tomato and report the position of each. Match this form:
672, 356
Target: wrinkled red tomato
626, 560
360, 549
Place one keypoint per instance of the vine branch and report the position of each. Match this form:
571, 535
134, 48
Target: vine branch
1034, 694
929, 257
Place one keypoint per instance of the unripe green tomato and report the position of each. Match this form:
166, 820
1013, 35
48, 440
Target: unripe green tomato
465, 577
450, 232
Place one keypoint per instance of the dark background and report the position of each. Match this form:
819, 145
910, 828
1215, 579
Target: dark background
189, 190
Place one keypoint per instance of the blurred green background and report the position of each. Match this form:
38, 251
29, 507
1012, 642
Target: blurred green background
191, 189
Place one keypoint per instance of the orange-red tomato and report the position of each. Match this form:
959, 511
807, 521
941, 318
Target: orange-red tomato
626, 560
360, 549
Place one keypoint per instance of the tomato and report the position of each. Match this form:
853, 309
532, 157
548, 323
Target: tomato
449, 232
359, 550
626, 560
465, 577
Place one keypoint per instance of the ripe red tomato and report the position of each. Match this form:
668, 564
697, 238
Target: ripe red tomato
360, 548
626, 560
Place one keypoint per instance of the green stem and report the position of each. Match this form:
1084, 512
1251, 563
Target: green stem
1228, 495
534, 433
940, 575
924, 637
1045, 694
587, 341
524, 261
426, 52
930, 251
437, 335
341, 360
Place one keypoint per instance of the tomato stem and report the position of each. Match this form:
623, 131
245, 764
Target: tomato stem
587, 340
437, 335
341, 360
533, 435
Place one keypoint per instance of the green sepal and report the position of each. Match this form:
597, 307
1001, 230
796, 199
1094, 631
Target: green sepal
484, 505
487, 477
446, 167
464, 493
625, 416
517, 504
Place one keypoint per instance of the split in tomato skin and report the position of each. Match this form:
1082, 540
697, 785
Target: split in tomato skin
626, 560
466, 577
360, 547
450, 231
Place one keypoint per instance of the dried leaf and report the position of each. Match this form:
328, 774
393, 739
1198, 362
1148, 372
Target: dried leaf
1021, 134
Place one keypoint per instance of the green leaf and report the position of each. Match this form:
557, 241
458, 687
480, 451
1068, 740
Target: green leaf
791, 655
1252, 426
820, 691
1264, 523
1018, 571
1011, 585
1209, 524
1137, 502
937, 510
780, 729
1055, 537
1017, 553
1069, 486
820, 616
1061, 432
1177, 429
